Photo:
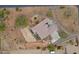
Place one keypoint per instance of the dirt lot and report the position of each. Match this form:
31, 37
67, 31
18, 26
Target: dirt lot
70, 23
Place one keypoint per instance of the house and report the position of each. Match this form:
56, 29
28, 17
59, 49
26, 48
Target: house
45, 28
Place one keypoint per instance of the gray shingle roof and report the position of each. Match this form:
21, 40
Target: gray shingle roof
44, 28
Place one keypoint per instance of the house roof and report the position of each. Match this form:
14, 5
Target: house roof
44, 28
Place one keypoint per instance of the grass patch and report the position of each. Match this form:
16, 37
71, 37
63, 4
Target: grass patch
2, 27
21, 21
51, 47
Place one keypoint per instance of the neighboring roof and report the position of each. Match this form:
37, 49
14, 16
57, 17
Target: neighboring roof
44, 28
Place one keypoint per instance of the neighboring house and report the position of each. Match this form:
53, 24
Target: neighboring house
45, 28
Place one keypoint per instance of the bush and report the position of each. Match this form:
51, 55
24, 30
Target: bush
4, 13
62, 34
4, 9
38, 47
18, 9
7, 12
51, 47
62, 7
49, 13
59, 47
2, 26
21, 21
71, 42
1, 14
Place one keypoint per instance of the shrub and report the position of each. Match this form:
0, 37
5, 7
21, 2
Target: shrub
21, 21
18, 9
7, 12
4, 9
62, 34
62, 7
49, 13
2, 26
1, 14
38, 47
59, 47
51, 47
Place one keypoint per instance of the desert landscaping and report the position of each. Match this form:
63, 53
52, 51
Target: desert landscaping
16, 24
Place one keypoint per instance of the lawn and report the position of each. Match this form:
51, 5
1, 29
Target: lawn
21, 21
